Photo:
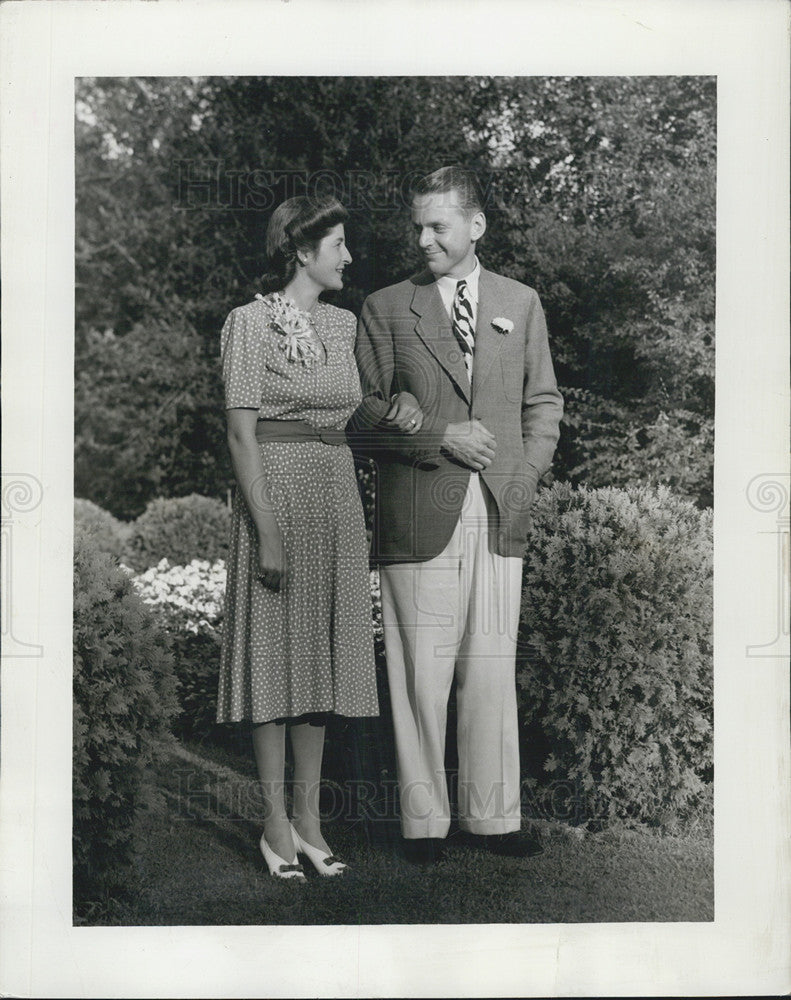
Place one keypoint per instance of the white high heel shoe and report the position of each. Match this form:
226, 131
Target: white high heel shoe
325, 864
277, 866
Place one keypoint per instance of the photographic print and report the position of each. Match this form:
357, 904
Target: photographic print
599, 194
395, 499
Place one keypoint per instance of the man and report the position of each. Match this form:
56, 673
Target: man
462, 409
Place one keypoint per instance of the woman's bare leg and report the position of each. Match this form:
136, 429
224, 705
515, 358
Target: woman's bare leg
307, 740
269, 744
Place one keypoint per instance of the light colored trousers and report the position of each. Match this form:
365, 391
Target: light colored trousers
457, 613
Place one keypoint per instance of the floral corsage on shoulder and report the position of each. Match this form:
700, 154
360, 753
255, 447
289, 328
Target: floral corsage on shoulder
296, 336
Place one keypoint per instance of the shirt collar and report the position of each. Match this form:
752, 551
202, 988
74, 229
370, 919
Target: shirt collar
447, 283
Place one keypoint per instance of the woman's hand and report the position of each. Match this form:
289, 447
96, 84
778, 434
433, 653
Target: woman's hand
270, 570
272, 560
405, 413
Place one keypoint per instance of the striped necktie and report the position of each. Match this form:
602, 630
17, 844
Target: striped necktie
463, 326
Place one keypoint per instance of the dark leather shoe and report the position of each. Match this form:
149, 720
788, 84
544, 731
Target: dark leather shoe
423, 851
518, 844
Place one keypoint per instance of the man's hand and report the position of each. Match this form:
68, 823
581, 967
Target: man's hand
405, 413
470, 443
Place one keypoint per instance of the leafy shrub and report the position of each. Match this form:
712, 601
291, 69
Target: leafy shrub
189, 603
180, 529
607, 444
108, 533
197, 660
124, 697
615, 654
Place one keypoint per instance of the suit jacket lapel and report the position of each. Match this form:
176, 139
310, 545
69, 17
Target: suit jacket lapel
434, 329
488, 342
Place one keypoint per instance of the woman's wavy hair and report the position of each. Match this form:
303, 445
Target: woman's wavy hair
299, 223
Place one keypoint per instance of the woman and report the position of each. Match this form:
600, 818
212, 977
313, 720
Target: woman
298, 640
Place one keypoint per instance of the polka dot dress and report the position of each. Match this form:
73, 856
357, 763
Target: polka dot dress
309, 647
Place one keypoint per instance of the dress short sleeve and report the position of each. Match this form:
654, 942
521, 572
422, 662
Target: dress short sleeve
242, 346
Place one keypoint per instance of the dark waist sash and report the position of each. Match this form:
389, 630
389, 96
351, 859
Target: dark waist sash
297, 430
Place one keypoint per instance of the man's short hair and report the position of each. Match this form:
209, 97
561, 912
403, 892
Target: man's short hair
459, 179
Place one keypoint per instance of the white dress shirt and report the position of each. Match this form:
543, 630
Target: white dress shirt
446, 286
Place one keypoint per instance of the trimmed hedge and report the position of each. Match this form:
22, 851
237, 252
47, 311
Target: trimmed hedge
108, 533
615, 654
124, 699
180, 529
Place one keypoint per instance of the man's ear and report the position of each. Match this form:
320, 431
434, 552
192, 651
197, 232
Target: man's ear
477, 226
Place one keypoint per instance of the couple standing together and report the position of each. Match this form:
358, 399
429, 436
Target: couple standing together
447, 383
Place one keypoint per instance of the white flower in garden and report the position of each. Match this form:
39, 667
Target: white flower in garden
194, 594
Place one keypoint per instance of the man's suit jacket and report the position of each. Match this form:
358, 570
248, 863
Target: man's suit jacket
405, 342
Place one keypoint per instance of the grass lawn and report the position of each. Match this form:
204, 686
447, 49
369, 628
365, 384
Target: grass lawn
200, 864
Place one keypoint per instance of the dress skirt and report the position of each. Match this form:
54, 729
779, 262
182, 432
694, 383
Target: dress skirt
308, 647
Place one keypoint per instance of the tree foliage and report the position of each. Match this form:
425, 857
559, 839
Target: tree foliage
600, 193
